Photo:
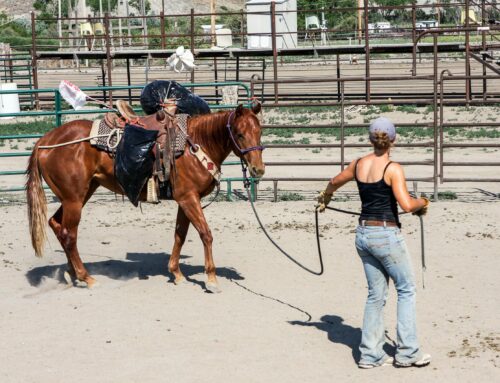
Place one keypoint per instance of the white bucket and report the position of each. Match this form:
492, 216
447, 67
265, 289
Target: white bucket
9, 103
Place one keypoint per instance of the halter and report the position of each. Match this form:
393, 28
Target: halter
242, 151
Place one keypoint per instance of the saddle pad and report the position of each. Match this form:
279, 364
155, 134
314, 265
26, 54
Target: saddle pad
181, 136
104, 141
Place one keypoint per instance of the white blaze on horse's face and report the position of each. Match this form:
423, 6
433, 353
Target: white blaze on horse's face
247, 134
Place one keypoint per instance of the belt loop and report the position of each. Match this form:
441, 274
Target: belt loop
385, 224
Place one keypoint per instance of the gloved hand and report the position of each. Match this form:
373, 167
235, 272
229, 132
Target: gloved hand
323, 199
422, 211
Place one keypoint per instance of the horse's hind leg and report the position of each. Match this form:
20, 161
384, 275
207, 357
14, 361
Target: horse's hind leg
55, 222
68, 234
181, 229
65, 223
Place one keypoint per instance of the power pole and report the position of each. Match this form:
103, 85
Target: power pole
360, 33
212, 21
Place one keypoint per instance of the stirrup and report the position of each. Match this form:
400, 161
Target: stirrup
152, 194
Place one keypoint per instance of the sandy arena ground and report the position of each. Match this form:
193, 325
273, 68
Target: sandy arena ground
272, 322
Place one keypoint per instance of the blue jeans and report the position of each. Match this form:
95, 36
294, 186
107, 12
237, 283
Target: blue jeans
384, 254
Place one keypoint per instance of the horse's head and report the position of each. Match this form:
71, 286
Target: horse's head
245, 131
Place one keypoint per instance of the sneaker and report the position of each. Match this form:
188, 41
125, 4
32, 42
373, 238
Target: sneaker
424, 360
387, 362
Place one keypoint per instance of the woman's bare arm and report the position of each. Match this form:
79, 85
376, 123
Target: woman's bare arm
409, 204
341, 179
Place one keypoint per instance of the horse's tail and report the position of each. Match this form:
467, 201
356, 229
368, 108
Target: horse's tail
37, 204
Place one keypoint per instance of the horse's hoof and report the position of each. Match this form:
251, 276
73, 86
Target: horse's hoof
68, 278
87, 282
180, 281
91, 282
213, 287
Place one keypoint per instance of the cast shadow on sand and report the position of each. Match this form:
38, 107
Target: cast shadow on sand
135, 265
339, 332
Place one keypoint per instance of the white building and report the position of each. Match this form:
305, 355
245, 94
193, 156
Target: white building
259, 25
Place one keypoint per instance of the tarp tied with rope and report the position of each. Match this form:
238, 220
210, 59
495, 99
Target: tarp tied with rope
155, 94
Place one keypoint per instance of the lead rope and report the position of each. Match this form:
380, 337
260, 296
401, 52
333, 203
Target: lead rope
246, 183
213, 199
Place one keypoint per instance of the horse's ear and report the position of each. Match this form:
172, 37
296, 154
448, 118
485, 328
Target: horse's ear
239, 110
256, 107
160, 115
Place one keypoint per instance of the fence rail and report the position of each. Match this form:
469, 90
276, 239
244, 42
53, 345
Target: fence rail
437, 144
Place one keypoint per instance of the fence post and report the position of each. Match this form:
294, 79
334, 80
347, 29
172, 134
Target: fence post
483, 44
108, 56
275, 190
413, 37
58, 108
34, 61
338, 77
253, 193
367, 55
342, 122
441, 133
162, 26
275, 50
192, 43
229, 190
435, 123
467, 55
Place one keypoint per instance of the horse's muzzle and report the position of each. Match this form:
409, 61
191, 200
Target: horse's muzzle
257, 172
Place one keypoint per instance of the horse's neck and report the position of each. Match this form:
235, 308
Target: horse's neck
213, 137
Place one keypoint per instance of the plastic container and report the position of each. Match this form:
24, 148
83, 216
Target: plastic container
9, 103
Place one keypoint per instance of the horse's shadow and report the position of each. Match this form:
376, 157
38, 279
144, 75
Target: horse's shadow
135, 265
339, 332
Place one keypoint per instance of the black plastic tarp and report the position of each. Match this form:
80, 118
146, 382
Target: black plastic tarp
134, 160
156, 92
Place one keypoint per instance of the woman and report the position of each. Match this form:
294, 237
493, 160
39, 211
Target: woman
381, 246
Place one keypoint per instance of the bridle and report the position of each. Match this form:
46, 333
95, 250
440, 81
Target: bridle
242, 151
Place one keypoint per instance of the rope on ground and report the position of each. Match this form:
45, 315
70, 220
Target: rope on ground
309, 317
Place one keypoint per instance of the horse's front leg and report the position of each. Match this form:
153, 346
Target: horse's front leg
192, 209
181, 229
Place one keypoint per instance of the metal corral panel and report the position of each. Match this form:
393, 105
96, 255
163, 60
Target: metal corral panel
259, 25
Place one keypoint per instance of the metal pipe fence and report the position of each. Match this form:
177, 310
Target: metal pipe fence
58, 112
162, 36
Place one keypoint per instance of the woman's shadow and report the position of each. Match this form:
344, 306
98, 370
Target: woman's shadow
339, 332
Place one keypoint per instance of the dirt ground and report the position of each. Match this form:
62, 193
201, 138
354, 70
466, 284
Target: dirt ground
272, 322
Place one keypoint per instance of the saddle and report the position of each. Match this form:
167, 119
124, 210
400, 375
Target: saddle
169, 145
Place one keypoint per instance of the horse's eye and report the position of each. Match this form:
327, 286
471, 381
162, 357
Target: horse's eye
240, 136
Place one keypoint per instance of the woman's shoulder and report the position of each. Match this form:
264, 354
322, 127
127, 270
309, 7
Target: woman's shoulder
394, 169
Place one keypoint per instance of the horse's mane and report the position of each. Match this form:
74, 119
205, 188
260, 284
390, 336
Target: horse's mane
209, 130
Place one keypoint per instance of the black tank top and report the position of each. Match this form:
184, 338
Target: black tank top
378, 202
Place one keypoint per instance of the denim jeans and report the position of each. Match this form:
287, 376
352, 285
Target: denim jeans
384, 254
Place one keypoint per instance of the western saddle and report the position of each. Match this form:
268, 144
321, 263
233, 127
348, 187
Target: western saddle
164, 149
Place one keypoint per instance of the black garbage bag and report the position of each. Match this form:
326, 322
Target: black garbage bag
156, 92
134, 160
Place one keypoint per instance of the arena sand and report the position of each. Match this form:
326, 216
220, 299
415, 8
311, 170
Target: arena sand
272, 322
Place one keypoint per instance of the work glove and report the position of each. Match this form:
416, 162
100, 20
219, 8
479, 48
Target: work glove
422, 211
323, 199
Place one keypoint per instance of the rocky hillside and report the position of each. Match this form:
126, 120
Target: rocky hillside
16, 7
184, 6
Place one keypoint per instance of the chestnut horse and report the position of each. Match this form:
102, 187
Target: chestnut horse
75, 171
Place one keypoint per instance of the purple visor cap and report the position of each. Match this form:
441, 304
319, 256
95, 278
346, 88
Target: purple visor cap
383, 125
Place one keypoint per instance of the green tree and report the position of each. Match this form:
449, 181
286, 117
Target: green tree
94, 4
